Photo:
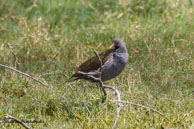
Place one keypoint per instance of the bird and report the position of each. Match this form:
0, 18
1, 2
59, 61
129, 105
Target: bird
113, 60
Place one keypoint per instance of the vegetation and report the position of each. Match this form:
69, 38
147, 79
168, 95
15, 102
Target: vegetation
52, 37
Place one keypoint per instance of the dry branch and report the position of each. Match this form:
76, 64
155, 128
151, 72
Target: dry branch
95, 52
144, 107
16, 120
25, 121
25, 74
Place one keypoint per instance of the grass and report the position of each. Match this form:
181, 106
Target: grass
51, 38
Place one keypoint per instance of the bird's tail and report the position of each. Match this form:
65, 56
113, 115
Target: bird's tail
73, 78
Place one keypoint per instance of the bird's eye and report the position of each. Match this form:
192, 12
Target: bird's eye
116, 47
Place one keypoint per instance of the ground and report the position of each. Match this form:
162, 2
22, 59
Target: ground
52, 37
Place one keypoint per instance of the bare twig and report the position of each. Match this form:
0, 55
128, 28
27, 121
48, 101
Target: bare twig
118, 104
25, 74
25, 121
17, 120
100, 79
15, 57
144, 107
96, 53
104, 87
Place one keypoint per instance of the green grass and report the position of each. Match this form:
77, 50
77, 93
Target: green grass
52, 37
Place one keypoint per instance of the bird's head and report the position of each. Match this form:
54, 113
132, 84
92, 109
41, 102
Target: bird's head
118, 44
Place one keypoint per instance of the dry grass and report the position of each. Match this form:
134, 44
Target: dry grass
50, 38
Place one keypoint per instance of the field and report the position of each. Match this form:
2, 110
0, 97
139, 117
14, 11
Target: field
51, 38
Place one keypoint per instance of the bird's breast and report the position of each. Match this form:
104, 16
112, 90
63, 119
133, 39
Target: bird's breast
113, 67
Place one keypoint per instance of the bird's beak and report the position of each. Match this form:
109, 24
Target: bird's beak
112, 45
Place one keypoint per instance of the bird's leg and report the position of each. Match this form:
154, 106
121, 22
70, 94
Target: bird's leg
91, 75
98, 85
104, 97
104, 91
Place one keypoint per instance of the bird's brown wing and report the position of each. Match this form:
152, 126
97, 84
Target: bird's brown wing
93, 63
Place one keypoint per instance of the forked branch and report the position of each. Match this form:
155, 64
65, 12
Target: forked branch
119, 101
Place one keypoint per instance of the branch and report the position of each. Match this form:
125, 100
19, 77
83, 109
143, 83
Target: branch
15, 57
17, 120
118, 105
144, 107
25, 74
98, 79
25, 121
95, 52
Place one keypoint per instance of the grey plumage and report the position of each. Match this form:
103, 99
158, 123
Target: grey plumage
113, 60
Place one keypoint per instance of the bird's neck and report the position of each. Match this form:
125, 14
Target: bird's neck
121, 50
